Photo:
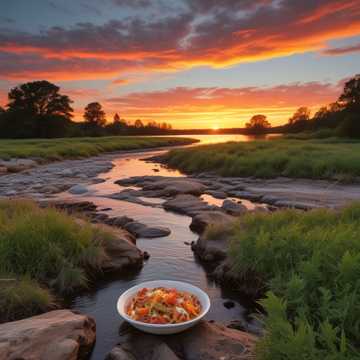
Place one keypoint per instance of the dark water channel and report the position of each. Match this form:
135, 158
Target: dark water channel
170, 257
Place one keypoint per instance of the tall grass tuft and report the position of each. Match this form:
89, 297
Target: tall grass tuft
310, 264
47, 248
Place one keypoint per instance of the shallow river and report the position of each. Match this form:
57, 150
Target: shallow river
170, 257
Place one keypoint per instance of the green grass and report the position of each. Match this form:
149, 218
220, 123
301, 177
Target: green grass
309, 262
22, 298
56, 149
334, 158
47, 247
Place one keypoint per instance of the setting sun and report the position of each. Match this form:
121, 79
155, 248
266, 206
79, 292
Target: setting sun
215, 127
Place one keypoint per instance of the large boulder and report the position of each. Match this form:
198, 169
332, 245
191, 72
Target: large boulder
174, 186
121, 251
56, 335
204, 218
206, 340
141, 230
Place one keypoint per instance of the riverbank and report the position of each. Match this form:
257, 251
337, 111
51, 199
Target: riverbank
46, 254
126, 186
304, 268
331, 159
44, 150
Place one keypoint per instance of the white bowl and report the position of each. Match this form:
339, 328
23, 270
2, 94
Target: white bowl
163, 329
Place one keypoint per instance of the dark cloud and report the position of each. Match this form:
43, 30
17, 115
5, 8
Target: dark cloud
342, 50
203, 32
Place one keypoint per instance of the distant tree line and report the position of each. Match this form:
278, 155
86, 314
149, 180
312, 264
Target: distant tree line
38, 110
342, 116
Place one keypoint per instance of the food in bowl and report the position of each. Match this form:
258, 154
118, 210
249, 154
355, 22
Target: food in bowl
163, 305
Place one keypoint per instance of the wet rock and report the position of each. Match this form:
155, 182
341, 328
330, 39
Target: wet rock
246, 195
270, 199
50, 189
17, 165
301, 205
229, 304
187, 204
142, 230
66, 172
175, 186
211, 250
3, 170
226, 275
122, 253
78, 189
233, 208
248, 327
106, 209
120, 221
201, 220
206, 340
217, 194
56, 335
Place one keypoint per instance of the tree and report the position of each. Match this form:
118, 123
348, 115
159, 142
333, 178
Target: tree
2, 111
39, 98
94, 115
138, 124
116, 118
350, 97
301, 114
258, 124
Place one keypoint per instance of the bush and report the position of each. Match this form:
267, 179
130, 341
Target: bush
310, 265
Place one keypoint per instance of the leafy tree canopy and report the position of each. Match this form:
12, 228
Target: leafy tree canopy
351, 95
40, 98
258, 124
94, 114
301, 114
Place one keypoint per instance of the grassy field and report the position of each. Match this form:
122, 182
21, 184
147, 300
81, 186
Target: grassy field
55, 149
309, 262
46, 252
328, 158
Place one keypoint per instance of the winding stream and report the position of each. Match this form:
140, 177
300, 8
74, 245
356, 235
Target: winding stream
170, 257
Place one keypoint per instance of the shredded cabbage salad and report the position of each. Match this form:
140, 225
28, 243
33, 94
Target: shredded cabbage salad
163, 306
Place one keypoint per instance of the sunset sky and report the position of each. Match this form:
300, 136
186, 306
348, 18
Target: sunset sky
192, 63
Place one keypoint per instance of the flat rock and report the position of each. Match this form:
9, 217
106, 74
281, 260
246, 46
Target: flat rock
144, 231
246, 195
78, 189
175, 186
301, 205
208, 341
201, 220
217, 194
233, 208
56, 335
187, 204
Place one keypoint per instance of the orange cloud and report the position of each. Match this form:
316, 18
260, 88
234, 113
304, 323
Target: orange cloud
228, 107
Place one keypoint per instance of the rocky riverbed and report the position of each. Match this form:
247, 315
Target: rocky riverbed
158, 213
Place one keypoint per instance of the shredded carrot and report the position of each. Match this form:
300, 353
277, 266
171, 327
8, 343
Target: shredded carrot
163, 306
